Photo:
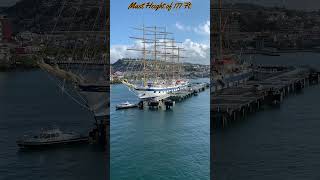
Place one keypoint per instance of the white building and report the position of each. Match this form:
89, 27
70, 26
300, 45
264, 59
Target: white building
4, 54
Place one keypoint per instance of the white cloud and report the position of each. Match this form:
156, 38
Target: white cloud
117, 52
203, 28
179, 26
182, 27
197, 53
121, 51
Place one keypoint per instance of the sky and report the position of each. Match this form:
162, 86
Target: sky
191, 27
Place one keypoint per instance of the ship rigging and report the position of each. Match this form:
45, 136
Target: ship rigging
159, 70
76, 56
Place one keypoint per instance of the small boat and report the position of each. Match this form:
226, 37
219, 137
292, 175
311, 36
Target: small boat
50, 137
126, 105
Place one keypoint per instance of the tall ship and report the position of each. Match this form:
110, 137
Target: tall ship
158, 72
228, 66
76, 56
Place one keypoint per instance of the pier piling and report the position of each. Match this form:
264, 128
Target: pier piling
275, 83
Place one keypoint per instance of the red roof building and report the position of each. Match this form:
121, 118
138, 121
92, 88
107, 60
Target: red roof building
5, 29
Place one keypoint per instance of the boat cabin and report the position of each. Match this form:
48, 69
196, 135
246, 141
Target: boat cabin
49, 134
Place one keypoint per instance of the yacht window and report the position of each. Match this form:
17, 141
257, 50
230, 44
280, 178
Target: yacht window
154, 92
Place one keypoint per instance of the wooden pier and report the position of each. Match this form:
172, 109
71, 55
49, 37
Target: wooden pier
269, 86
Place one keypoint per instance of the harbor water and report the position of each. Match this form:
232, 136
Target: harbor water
160, 144
275, 143
29, 101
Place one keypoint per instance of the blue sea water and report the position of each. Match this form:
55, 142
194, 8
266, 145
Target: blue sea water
29, 101
160, 144
277, 142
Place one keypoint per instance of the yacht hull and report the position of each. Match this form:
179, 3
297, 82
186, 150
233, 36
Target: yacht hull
23, 144
155, 92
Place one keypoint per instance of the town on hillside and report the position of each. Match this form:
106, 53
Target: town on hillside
253, 29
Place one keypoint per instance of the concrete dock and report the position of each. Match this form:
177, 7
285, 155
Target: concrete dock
269, 86
168, 101
194, 89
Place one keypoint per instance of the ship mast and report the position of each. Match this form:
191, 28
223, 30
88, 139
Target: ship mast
71, 64
179, 49
220, 56
164, 57
176, 65
107, 39
155, 50
144, 57
156, 37
172, 56
217, 30
165, 49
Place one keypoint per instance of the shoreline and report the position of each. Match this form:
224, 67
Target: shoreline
190, 78
17, 68
278, 52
